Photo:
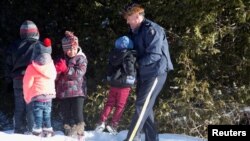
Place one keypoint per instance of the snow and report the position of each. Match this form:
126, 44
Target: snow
90, 136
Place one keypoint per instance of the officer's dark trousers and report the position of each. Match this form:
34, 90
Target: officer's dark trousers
143, 118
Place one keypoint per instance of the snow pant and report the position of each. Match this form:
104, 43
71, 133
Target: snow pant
143, 118
23, 116
72, 110
42, 114
117, 99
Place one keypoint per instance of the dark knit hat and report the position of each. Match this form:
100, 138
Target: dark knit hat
29, 30
43, 59
69, 41
124, 42
42, 52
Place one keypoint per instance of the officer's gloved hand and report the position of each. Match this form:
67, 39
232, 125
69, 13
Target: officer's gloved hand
130, 80
108, 78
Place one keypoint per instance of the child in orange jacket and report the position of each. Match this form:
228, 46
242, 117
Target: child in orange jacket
39, 87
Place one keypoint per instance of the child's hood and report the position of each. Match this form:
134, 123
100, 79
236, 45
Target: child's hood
80, 52
47, 70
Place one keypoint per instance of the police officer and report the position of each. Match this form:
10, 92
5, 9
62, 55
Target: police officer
153, 65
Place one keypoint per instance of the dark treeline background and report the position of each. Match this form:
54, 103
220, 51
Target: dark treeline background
209, 43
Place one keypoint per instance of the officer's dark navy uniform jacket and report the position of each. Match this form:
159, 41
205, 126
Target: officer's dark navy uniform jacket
151, 39
153, 57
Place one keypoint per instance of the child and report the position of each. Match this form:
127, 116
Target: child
121, 76
39, 87
70, 88
18, 58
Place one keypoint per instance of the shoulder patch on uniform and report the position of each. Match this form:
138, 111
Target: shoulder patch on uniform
148, 24
152, 31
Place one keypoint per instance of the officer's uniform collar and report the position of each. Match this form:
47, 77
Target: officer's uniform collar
138, 29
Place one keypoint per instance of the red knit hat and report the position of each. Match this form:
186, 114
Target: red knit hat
47, 42
42, 52
41, 48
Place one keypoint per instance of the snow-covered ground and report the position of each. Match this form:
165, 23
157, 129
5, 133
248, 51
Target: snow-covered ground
7, 134
90, 136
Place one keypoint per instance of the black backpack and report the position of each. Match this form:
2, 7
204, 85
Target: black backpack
120, 73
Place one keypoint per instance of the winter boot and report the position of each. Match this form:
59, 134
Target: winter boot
37, 132
100, 127
67, 129
48, 132
76, 131
19, 130
80, 128
16, 131
73, 132
112, 129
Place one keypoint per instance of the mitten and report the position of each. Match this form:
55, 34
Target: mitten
130, 80
61, 66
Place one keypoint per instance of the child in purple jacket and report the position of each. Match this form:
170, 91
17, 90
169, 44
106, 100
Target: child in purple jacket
70, 88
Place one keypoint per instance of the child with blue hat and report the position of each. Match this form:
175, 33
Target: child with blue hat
121, 77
